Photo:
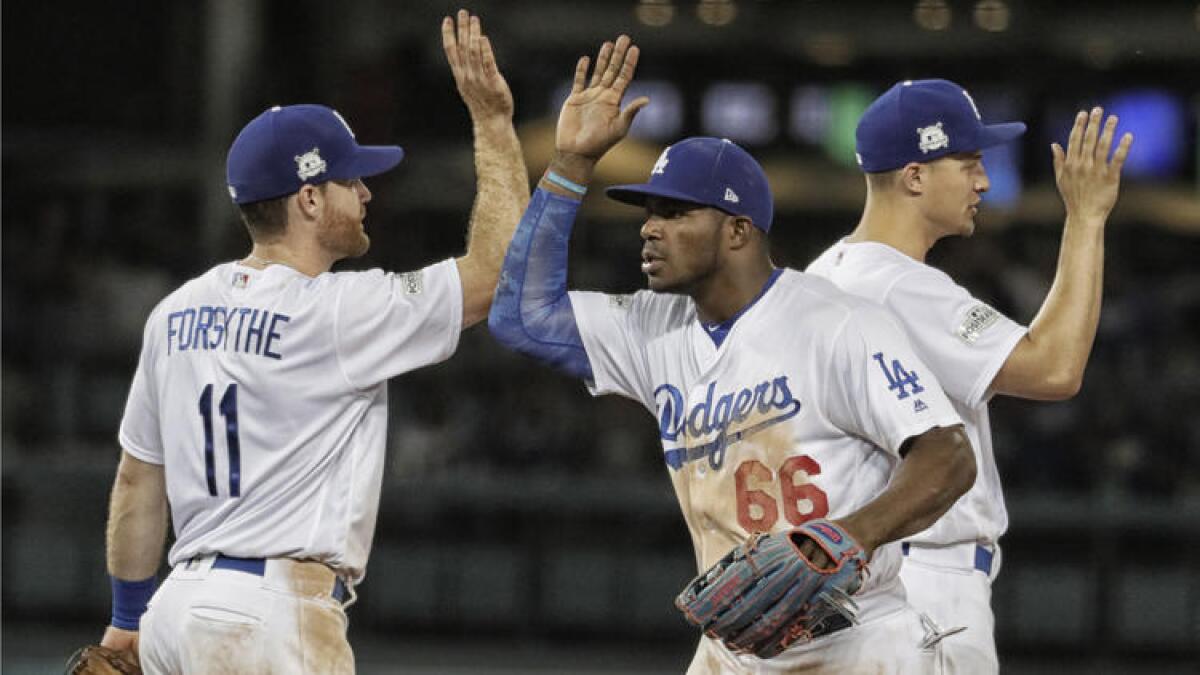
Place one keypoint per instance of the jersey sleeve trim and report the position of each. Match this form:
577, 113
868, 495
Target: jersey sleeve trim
899, 437
137, 451
981, 391
454, 327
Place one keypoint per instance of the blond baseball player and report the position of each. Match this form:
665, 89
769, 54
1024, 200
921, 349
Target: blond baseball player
920, 145
258, 412
780, 400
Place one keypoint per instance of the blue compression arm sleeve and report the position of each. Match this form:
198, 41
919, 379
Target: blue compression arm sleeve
532, 312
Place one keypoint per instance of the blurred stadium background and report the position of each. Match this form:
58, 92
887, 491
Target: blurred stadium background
526, 527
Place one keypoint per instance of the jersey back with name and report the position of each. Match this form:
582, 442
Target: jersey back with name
263, 394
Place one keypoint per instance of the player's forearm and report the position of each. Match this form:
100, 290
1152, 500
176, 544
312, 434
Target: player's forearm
502, 193
1061, 336
938, 469
502, 190
498, 154
137, 520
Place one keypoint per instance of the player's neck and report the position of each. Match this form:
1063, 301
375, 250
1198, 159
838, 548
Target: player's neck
886, 222
723, 295
308, 263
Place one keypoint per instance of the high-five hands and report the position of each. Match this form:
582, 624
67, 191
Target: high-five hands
1087, 180
473, 64
591, 121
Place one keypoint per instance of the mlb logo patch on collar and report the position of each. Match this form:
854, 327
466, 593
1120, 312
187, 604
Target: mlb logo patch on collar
241, 280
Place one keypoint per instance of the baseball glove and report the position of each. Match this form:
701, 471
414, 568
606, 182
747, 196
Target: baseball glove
97, 660
765, 595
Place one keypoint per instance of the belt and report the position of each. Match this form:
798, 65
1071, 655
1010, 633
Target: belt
831, 624
983, 557
258, 567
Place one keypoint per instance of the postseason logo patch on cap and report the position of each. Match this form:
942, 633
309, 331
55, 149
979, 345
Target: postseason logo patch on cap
310, 164
932, 138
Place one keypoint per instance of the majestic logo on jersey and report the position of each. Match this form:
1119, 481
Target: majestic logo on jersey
731, 196
309, 164
716, 413
899, 379
660, 166
932, 138
979, 318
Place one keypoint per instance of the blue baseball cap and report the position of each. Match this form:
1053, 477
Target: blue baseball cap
289, 146
708, 171
922, 120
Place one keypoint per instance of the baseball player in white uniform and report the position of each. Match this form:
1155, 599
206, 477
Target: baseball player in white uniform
258, 411
920, 145
779, 399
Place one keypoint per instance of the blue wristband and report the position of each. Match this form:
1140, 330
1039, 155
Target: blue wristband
565, 183
129, 600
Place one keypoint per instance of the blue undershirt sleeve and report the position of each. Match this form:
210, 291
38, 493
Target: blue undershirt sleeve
532, 312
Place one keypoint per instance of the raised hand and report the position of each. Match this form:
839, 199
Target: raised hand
592, 121
473, 64
1087, 179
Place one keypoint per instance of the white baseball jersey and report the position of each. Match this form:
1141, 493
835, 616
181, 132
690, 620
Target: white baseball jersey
963, 340
800, 413
264, 395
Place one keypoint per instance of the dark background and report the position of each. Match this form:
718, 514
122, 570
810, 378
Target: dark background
526, 527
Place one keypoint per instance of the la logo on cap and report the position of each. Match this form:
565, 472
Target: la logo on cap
660, 166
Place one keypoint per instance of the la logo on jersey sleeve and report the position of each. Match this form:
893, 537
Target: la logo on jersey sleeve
903, 382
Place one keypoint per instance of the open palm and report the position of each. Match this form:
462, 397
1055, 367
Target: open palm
592, 121
473, 64
1087, 180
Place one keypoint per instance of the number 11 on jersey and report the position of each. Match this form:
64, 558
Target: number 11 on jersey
228, 409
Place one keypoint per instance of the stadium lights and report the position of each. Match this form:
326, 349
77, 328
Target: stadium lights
992, 15
716, 12
932, 14
654, 12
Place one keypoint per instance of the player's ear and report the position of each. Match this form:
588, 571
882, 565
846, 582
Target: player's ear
913, 177
310, 199
741, 231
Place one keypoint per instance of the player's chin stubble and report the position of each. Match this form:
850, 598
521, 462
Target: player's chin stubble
344, 235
